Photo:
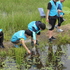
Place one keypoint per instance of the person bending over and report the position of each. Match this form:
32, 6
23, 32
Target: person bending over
35, 27
19, 38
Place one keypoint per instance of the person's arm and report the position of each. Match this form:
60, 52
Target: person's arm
34, 37
59, 11
48, 11
59, 8
23, 43
47, 15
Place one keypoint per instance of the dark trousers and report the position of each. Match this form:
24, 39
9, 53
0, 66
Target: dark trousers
52, 21
60, 20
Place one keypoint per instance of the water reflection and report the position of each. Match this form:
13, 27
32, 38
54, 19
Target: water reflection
51, 57
51, 60
33, 61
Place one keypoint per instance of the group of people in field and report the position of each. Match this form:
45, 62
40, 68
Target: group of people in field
54, 12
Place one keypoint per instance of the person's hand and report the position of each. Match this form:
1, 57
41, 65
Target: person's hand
61, 16
59, 11
34, 42
29, 51
47, 20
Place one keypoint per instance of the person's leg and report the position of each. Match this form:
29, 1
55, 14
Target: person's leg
50, 33
1, 41
1, 45
60, 20
52, 23
16, 44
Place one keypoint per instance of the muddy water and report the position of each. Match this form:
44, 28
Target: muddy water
9, 64
53, 57
47, 58
67, 59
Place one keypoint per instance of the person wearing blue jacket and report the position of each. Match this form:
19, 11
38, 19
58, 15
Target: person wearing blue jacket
60, 15
20, 37
51, 17
1, 38
35, 27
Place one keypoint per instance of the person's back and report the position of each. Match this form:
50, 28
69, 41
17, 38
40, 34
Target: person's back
18, 35
36, 27
51, 17
60, 15
19, 38
60, 7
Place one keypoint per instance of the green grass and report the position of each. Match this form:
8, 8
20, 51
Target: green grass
15, 15
16, 53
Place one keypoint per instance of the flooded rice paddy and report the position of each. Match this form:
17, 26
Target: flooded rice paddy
45, 58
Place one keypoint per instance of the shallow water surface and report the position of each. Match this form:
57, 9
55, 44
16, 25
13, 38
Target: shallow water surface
47, 58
